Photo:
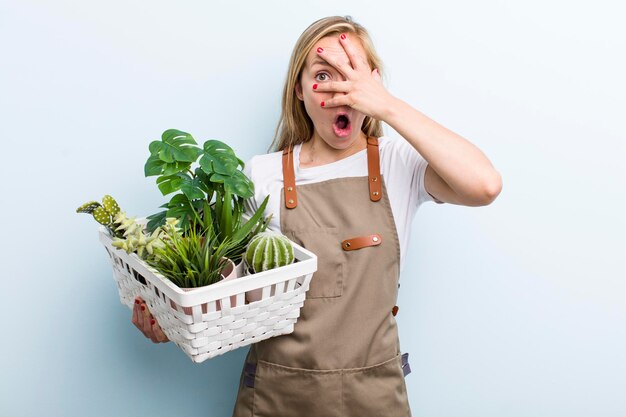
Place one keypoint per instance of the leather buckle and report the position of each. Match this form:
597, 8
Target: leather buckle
361, 242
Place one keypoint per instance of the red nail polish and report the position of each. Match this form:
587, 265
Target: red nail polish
322, 104
143, 308
343, 36
320, 49
314, 86
137, 301
152, 321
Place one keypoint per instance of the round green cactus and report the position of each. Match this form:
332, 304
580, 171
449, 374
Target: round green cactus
269, 250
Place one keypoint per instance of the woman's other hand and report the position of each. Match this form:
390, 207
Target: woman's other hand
143, 320
363, 87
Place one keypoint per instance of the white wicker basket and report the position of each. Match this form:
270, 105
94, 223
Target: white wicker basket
211, 326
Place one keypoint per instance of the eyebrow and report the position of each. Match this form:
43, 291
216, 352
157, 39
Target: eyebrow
319, 61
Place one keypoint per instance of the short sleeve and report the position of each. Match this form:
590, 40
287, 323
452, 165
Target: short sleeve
416, 166
250, 205
424, 195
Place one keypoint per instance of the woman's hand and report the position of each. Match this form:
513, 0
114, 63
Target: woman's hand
147, 324
365, 90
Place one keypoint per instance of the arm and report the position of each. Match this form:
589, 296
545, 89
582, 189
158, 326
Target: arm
458, 172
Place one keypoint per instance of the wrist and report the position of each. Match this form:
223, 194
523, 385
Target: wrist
392, 109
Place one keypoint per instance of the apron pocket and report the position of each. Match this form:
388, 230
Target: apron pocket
377, 390
296, 392
327, 281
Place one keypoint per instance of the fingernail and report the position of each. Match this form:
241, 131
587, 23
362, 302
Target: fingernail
343, 36
152, 321
143, 307
314, 86
322, 104
320, 49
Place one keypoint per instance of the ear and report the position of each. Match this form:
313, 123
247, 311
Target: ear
299, 91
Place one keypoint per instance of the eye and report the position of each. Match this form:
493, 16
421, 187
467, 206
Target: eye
321, 73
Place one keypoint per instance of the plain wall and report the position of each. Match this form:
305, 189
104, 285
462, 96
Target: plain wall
513, 309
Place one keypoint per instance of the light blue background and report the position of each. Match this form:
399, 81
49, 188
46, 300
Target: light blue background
514, 309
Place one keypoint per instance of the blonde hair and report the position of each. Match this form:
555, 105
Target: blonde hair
295, 126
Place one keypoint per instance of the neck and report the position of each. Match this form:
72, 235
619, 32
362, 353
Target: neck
316, 151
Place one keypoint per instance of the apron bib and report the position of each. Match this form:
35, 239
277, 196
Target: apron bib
343, 358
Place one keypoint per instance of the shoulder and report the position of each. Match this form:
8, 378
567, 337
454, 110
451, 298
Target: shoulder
397, 153
263, 165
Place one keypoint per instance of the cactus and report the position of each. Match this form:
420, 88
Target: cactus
269, 250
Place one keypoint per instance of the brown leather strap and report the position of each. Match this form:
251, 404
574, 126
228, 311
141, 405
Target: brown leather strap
373, 169
289, 179
361, 242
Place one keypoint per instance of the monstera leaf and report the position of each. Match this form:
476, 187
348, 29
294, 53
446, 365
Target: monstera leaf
237, 183
173, 153
217, 157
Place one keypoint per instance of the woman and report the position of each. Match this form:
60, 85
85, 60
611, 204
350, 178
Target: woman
340, 188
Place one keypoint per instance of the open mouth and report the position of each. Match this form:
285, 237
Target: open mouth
341, 124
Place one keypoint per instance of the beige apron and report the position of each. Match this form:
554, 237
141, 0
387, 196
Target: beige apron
343, 358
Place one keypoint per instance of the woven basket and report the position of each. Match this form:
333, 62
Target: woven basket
207, 328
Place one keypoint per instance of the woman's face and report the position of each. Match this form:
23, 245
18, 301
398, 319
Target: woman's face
318, 71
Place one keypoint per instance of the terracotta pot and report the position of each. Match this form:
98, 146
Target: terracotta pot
254, 295
228, 272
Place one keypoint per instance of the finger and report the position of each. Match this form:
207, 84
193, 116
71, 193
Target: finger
341, 86
344, 100
145, 319
158, 333
135, 316
340, 62
357, 60
152, 333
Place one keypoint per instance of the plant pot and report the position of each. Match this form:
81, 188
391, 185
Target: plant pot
228, 272
257, 294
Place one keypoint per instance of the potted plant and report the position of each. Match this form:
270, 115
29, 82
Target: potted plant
215, 180
266, 250
189, 254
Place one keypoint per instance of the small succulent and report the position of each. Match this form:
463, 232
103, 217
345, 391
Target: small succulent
144, 244
269, 250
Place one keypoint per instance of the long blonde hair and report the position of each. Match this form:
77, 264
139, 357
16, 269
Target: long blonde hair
295, 126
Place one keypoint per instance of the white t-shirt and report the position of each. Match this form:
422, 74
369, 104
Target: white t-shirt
402, 168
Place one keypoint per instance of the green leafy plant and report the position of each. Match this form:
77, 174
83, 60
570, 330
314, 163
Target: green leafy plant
192, 260
212, 193
108, 214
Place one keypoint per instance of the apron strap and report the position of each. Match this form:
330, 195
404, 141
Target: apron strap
373, 169
289, 178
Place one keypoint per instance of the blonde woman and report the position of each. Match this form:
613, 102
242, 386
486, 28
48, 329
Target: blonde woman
342, 189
